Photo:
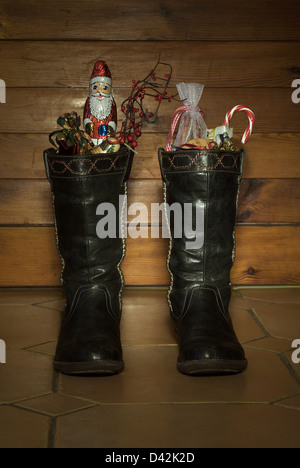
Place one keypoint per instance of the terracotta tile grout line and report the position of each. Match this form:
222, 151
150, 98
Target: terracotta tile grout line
268, 288
248, 344
52, 433
29, 348
239, 294
272, 351
54, 419
292, 408
255, 317
290, 368
281, 355
275, 402
19, 405
158, 403
268, 335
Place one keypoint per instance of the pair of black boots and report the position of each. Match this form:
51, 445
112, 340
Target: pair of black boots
200, 292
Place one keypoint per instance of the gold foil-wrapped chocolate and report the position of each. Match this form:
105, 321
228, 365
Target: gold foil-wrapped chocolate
227, 146
110, 145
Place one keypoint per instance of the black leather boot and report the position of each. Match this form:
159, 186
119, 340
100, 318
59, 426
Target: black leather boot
89, 340
200, 289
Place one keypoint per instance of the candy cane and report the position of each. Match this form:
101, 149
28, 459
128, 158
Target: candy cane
251, 118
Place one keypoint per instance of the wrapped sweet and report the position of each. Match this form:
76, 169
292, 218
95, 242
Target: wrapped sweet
71, 140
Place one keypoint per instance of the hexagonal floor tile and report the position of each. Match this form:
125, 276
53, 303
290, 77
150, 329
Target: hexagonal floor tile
25, 375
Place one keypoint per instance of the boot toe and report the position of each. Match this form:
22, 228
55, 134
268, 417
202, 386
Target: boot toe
207, 341
89, 340
211, 358
88, 358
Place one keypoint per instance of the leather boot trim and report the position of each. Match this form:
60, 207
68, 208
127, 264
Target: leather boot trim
200, 161
66, 166
170, 249
123, 244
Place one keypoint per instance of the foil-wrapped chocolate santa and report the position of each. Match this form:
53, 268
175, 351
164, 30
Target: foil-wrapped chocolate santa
100, 110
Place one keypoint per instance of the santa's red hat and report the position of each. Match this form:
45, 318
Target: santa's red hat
101, 73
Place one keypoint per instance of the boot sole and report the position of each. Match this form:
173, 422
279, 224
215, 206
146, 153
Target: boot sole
89, 368
212, 367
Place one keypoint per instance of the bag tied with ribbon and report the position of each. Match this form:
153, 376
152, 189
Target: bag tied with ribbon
192, 125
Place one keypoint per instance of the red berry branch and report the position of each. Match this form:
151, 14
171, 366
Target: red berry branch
133, 108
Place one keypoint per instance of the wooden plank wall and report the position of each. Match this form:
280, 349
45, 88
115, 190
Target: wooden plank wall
244, 54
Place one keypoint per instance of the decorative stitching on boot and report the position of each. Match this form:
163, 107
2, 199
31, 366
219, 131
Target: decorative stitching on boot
234, 230
123, 245
174, 160
62, 167
169, 252
63, 264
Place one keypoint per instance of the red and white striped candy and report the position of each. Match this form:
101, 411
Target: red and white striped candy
251, 118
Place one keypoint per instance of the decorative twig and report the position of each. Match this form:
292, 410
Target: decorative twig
152, 85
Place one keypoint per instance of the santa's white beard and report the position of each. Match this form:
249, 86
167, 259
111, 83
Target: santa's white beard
101, 108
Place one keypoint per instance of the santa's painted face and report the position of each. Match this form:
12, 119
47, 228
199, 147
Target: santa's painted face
101, 99
99, 89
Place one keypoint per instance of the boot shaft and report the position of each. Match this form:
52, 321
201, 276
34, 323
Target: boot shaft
80, 185
208, 179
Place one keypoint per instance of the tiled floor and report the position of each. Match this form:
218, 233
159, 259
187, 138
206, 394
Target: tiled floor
150, 405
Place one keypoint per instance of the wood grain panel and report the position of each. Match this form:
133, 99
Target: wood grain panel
267, 254
264, 254
244, 54
163, 20
273, 155
69, 64
36, 110
269, 201
274, 201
